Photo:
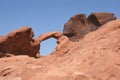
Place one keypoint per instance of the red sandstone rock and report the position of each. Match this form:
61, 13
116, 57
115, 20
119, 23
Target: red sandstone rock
79, 25
95, 57
61, 40
19, 42
1, 37
62, 47
48, 35
98, 19
76, 25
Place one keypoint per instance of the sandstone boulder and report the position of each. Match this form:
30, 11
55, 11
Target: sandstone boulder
76, 25
79, 25
98, 19
19, 42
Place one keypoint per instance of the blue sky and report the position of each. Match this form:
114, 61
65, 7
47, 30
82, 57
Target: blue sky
48, 15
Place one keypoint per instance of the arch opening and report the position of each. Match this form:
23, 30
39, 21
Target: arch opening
48, 46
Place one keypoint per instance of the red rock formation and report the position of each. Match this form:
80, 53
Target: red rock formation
98, 19
1, 37
95, 57
62, 47
79, 25
75, 25
19, 42
48, 35
62, 41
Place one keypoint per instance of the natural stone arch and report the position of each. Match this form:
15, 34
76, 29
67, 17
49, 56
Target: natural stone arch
49, 35
21, 42
61, 40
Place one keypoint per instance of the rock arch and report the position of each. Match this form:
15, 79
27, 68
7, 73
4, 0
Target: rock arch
21, 42
50, 36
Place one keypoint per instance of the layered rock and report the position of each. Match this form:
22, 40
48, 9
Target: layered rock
79, 25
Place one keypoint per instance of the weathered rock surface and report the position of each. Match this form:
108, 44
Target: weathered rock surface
79, 25
98, 19
96, 56
76, 25
19, 42
48, 35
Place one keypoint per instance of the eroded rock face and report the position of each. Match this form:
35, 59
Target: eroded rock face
62, 41
79, 25
19, 42
98, 19
76, 25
